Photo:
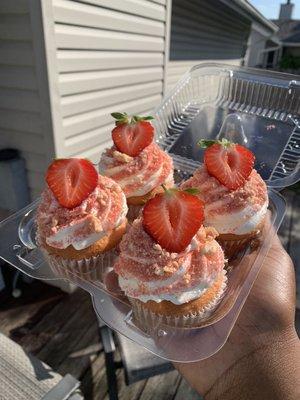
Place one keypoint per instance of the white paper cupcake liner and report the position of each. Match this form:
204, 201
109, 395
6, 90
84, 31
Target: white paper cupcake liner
91, 269
232, 247
149, 321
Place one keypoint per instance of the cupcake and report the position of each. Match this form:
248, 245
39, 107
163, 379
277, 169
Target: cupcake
81, 218
170, 266
235, 195
136, 162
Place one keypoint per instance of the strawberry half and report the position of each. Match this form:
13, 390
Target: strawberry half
71, 180
131, 137
172, 219
230, 163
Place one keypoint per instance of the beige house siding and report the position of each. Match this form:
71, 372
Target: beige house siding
109, 56
23, 97
66, 65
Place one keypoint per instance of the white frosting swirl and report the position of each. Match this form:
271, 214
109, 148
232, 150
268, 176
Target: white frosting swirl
239, 222
67, 236
100, 213
130, 284
138, 175
178, 298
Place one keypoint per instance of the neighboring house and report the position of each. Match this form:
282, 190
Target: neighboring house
289, 32
263, 48
65, 65
214, 31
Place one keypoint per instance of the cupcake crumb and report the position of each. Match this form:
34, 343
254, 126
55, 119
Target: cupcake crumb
211, 233
157, 247
54, 221
158, 270
187, 278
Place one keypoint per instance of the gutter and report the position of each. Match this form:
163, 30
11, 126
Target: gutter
290, 44
251, 13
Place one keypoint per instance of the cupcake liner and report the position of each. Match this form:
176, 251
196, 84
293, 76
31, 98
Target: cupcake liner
232, 247
91, 269
149, 322
234, 244
133, 211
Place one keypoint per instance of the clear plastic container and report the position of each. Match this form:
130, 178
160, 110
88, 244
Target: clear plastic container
256, 108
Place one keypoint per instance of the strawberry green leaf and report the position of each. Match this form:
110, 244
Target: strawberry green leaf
137, 118
205, 143
192, 190
148, 118
118, 115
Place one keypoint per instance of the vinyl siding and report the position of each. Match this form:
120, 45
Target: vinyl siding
109, 56
22, 125
204, 31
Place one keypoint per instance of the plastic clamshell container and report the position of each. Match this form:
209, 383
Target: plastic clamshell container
256, 108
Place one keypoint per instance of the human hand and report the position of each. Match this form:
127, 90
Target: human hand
261, 359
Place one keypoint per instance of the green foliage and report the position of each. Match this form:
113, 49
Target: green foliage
289, 62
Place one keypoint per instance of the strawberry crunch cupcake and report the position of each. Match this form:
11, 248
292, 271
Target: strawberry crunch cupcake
170, 266
136, 162
235, 195
81, 217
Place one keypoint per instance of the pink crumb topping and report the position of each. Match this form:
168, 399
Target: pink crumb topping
100, 211
145, 261
132, 173
221, 200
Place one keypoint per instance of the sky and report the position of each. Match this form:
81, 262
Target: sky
270, 8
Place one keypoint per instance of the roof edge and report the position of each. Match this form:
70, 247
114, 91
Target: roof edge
250, 12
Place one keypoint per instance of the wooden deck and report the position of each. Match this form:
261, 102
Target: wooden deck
61, 330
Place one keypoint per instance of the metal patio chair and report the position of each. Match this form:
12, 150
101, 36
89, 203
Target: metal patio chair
137, 362
24, 377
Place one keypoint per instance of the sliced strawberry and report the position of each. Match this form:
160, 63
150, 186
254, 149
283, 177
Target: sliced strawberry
230, 163
132, 137
172, 219
71, 180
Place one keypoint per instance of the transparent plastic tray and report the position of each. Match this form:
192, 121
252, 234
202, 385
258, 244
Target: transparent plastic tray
255, 108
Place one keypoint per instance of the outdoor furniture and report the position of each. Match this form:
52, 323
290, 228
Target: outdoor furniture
138, 363
25, 377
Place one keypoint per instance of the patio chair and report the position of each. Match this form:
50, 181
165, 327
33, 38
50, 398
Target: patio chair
137, 362
24, 377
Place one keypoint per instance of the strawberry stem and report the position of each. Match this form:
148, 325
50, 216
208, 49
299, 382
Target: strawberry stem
205, 143
169, 191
